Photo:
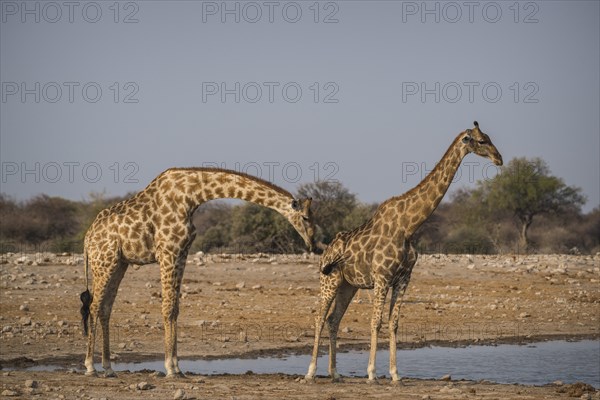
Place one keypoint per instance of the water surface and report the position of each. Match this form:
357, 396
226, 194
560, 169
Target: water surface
532, 364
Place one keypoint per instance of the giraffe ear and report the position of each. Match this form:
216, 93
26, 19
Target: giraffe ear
467, 138
476, 124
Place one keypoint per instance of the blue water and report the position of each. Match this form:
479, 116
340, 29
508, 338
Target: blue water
532, 364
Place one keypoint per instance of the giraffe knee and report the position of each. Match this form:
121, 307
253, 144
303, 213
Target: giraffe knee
170, 313
376, 325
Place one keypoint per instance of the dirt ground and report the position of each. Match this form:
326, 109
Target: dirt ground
257, 305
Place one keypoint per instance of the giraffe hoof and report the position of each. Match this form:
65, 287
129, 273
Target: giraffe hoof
308, 379
110, 374
337, 379
373, 381
397, 382
91, 373
177, 375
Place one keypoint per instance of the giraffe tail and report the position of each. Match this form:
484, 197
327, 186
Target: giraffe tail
335, 262
86, 299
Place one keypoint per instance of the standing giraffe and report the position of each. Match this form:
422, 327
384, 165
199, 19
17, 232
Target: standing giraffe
155, 225
379, 254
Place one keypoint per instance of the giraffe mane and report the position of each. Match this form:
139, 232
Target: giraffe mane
240, 174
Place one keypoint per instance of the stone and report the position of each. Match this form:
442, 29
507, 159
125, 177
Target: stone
144, 386
240, 285
179, 394
30, 383
9, 393
446, 378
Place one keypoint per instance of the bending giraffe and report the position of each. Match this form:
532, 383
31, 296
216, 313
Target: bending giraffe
379, 254
155, 225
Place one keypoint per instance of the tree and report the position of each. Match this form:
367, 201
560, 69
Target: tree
258, 228
40, 220
213, 225
332, 204
525, 188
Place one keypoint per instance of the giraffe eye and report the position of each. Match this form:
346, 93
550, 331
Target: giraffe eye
305, 218
482, 142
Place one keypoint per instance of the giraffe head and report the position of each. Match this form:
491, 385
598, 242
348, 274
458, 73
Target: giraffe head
300, 217
475, 141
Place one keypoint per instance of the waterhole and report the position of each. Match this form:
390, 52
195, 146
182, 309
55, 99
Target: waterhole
531, 364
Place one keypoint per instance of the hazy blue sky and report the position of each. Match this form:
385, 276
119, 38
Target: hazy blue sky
103, 96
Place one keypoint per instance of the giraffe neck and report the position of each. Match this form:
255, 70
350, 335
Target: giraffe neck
194, 186
422, 200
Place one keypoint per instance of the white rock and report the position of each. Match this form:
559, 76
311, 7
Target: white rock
30, 383
144, 386
240, 285
179, 394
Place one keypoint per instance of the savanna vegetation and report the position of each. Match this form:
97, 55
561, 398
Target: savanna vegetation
524, 209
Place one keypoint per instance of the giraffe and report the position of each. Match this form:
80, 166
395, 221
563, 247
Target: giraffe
380, 255
155, 225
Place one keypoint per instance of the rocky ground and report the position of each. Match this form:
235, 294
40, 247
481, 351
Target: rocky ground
251, 305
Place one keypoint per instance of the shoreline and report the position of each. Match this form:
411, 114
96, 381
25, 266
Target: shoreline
66, 361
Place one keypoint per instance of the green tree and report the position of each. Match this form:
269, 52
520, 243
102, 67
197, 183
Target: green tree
257, 228
332, 203
526, 189
213, 225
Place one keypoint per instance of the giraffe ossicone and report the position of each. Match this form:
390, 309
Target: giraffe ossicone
155, 225
380, 255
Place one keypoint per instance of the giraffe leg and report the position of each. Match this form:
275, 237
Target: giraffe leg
329, 285
395, 303
105, 309
172, 273
397, 294
379, 294
89, 357
344, 295
101, 288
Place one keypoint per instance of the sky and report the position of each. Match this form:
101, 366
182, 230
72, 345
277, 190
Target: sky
100, 97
